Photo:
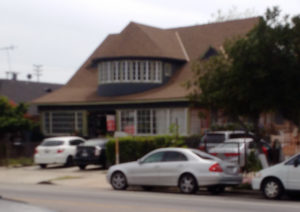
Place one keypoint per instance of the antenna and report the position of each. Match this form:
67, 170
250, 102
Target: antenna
7, 49
38, 71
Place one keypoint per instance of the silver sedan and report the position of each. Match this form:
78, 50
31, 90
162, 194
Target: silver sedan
188, 169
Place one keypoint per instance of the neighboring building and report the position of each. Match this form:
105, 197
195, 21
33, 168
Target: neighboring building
136, 78
25, 91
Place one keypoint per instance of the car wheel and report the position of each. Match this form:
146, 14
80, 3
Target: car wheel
216, 189
43, 166
69, 161
82, 167
118, 181
272, 189
188, 184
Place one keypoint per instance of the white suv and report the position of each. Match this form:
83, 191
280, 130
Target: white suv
273, 181
57, 150
213, 138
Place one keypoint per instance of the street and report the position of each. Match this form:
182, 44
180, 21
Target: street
73, 199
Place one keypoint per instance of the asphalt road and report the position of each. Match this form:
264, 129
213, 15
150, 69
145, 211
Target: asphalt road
71, 199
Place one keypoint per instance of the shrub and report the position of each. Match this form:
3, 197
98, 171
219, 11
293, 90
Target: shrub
253, 163
133, 148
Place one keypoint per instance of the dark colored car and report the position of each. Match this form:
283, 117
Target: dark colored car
91, 152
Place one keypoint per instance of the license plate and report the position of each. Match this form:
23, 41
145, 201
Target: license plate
84, 154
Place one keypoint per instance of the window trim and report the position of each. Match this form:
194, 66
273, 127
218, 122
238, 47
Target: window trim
135, 71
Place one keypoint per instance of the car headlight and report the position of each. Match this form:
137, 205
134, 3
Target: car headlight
97, 151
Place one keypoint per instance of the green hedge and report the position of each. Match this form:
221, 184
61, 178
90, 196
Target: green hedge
133, 148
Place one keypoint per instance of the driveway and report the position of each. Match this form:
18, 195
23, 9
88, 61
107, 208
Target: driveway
93, 177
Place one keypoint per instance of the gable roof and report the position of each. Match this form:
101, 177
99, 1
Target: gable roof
25, 91
137, 40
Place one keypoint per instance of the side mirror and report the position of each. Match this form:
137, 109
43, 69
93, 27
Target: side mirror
296, 162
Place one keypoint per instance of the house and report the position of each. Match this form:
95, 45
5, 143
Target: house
19, 91
133, 82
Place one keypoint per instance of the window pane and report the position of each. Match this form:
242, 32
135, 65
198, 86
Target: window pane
174, 156
143, 122
155, 157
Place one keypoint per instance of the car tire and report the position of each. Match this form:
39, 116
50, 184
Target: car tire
187, 184
69, 161
118, 181
82, 167
272, 188
43, 166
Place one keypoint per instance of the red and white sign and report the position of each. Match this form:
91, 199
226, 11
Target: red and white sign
110, 123
129, 129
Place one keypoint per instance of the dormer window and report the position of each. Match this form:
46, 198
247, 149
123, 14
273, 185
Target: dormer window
130, 71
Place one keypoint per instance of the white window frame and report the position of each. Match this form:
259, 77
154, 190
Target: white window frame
134, 71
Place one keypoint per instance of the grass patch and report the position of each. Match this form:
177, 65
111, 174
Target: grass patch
22, 161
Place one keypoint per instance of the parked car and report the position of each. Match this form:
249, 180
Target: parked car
91, 152
213, 138
57, 150
273, 181
188, 169
236, 150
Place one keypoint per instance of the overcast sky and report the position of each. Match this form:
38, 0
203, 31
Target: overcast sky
61, 34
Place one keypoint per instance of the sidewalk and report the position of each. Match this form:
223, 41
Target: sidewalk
90, 178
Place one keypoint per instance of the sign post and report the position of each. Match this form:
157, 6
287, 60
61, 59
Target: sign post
118, 135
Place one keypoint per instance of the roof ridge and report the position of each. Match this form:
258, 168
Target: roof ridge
213, 23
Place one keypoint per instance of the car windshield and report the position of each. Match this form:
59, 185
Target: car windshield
204, 155
214, 138
52, 143
94, 142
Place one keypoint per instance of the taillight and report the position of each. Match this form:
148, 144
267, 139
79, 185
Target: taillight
231, 154
265, 150
60, 151
213, 153
215, 168
202, 148
36, 151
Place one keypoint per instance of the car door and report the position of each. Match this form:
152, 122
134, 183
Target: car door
171, 167
293, 173
146, 172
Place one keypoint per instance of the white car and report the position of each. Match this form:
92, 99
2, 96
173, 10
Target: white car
236, 150
273, 181
57, 150
188, 169
233, 150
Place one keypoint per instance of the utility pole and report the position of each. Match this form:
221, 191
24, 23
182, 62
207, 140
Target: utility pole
38, 71
7, 49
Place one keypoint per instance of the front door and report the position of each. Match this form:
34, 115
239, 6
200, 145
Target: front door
146, 172
293, 173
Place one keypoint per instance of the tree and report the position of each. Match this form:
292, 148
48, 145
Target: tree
12, 120
12, 117
257, 73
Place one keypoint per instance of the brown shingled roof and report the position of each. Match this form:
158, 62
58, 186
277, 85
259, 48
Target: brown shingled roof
138, 40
